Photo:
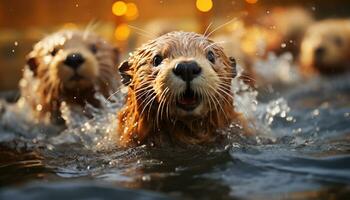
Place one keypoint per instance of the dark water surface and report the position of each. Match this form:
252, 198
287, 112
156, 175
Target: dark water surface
305, 154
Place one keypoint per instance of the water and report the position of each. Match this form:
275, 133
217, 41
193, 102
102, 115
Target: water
301, 151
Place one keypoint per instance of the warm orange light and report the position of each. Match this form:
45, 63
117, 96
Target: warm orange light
69, 26
122, 32
119, 8
204, 5
132, 11
251, 1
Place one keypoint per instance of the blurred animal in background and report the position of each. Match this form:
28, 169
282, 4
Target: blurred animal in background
290, 24
179, 91
246, 43
70, 67
325, 48
275, 31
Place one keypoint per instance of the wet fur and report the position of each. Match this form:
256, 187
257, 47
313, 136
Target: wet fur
42, 86
148, 115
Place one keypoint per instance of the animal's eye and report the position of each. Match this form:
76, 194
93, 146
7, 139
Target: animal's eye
93, 48
157, 60
211, 57
338, 41
54, 51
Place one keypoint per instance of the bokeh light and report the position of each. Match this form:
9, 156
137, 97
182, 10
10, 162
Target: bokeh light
132, 11
70, 26
119, 8
122, 32
204, 5
251, 1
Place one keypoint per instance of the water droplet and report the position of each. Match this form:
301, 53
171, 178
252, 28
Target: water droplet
16, 43
267, 12
50, 147
146, 178
313, 8
283, 45
283, 114
39, 107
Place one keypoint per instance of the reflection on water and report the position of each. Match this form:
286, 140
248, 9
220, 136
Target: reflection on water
301, 152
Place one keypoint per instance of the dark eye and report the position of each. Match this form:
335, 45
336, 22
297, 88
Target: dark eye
54, 51
93, 48
211, 57
157, 60
338, 41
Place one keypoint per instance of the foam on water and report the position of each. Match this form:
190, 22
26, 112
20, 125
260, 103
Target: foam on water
301, 145
277, 69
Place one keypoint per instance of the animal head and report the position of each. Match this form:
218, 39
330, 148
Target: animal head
326, 46
180, 77
69, 66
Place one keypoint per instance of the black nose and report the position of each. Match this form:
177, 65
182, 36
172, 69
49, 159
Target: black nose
74, 60
187, 70
319, 52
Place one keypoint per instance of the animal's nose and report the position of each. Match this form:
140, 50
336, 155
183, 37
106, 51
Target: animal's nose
74, 60
187, 70
319, 52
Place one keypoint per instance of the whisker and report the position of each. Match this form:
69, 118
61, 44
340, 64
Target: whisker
114, 93
214, 43
221, 26
161, 102
152, 35
207, 29
149, 100
218, 102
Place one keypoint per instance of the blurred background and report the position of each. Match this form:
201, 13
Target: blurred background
128, 23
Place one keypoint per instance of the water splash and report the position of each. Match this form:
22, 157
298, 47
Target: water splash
245, 97
97, 132
276, 69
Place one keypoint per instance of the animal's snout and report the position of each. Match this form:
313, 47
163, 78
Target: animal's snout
187, 70
74, 60
319, 52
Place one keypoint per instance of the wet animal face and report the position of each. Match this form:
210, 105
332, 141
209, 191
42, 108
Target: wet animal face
181, 76
72, 60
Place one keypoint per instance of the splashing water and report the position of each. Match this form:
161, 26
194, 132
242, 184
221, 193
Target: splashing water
280, 69
301, 150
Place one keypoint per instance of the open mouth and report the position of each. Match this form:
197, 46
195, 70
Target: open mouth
76, 77
189, 100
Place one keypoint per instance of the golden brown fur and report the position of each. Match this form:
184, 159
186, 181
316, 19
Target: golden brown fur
48, 81
326, 48
151, 113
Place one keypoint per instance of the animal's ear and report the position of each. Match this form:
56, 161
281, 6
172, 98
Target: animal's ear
33, 64
234, 66
124, 71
